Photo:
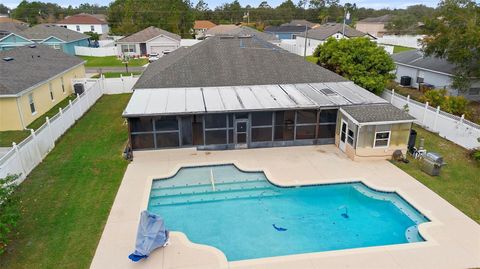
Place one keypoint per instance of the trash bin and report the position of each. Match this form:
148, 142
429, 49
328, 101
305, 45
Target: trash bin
432, 163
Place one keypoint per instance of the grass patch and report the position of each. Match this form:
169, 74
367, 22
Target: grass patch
116, 74
7, 137
459, 180
52, 112
111, 61
66, 200
397, 49
312, 59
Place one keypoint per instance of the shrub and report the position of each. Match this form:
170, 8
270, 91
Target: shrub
9, 210
457, 105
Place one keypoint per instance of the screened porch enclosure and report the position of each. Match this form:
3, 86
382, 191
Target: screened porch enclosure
234, 130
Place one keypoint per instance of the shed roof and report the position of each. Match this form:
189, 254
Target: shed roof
325, 31
416, 58
32, 65
43, 31
194, 100
221, 61
203, 24
147, 34
375, 113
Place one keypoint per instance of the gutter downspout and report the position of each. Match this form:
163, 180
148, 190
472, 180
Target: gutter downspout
20, 112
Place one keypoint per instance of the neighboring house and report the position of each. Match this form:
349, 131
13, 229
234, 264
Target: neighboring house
416, 68
239, 30
303, 23
374, 26
244, 92
85, 23
320, 34
200, 27
11, 27
286, 31
56, 37
34, 79
148, 41
9, 35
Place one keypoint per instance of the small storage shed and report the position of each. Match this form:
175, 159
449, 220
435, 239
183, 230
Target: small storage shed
373, 130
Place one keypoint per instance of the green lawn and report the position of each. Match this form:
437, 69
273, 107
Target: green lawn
67, 198
111, 61
312, 59
459, 181
397, 49
116, 74
7, 137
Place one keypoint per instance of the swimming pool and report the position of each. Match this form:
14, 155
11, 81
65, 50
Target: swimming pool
246, 217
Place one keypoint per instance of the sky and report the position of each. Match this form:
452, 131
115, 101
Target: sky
377, 4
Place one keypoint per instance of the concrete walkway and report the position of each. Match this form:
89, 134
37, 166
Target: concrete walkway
453, 239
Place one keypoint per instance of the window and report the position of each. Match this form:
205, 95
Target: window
350, 137
216, 129
32, 104
166, 123
63, 85
54, 46
92, 28
474, 91
78, 28
382, 139
215, 121
51, 91
261, 118
128, 48
306, 116
143, 124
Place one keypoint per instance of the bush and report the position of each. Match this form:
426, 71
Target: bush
9, 210
456, 105
475, 154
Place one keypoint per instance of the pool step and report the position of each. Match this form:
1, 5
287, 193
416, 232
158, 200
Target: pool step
413, 235
221, 193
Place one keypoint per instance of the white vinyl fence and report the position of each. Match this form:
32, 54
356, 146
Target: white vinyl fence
410, 41
453, 128
97, 52
24, 157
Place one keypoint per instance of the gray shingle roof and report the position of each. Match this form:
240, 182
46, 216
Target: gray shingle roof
416, 58
43, 31
147, 34
235, 30
221, 61
286, 29
377, 113
31, 66
325, 31
11, 27
381, 19
300, 23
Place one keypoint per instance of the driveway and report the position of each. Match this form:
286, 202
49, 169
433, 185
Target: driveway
452, 239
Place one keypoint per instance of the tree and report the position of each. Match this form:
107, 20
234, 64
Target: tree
359, 60
36, 12
4, 9
454, 34
264, 4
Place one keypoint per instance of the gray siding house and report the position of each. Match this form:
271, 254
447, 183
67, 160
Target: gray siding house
430, 70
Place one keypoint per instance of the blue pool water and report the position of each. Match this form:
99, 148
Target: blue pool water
246, 217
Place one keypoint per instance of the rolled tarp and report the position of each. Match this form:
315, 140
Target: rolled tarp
151, 234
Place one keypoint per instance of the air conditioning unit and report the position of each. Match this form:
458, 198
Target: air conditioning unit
406, 81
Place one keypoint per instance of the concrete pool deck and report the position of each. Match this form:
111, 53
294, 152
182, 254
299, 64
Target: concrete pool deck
453, 239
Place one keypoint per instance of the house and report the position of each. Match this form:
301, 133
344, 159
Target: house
10, 35
416, 69
86, 23
148, 41
286, 31
303, 23
320, 34
11, 27
244, 92
35, 78
56, 37
201, 26
240, 30
374, 26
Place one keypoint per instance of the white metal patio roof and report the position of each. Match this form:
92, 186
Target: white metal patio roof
176, 101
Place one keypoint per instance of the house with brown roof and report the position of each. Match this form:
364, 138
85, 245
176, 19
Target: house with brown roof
201, 26
374, 26
86, 23
148, 41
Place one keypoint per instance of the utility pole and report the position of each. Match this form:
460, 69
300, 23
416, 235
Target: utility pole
346, 16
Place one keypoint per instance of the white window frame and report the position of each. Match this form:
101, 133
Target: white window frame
92, 28
388, 139
50, 89
55, 46
31, 102
349, 136
78, 28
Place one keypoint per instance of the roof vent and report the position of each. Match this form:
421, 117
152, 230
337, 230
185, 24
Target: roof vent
226, 37
8, 59
32, 46
328, 92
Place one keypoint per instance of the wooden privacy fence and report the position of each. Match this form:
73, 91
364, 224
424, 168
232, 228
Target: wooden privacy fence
456, 129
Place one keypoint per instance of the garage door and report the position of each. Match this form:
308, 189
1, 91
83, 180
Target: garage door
161, 49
